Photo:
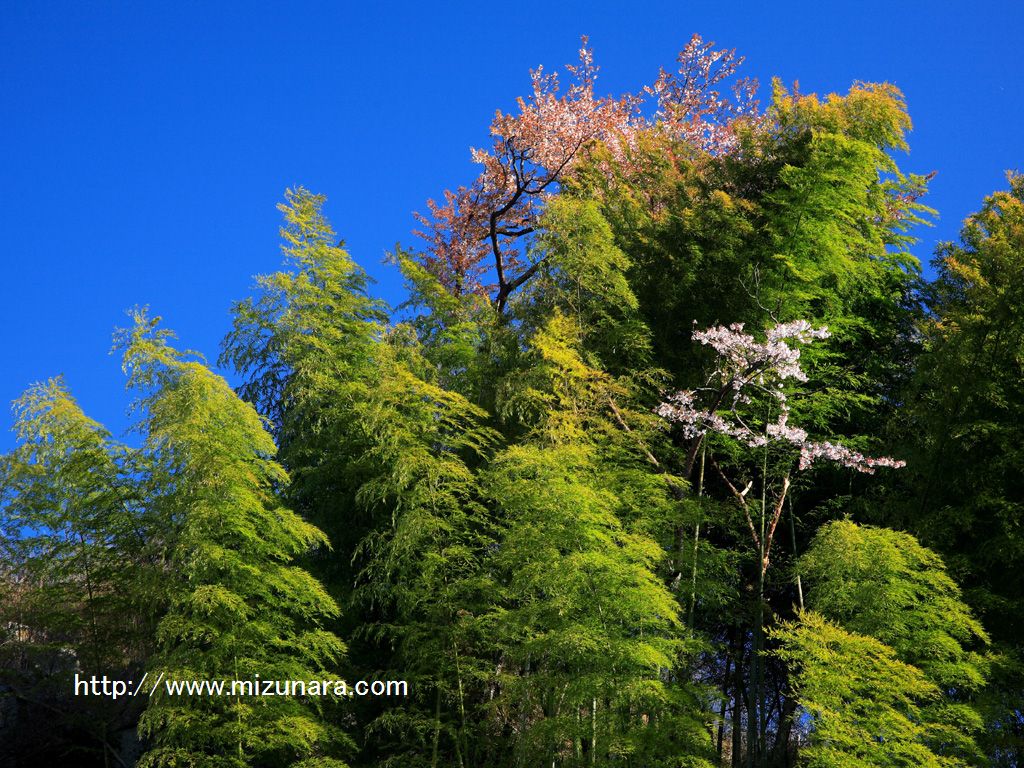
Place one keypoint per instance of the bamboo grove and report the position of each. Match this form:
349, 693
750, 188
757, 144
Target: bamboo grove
671, 457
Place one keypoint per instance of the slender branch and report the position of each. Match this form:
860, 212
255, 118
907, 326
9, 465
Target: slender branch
741, 497
515, 232
678, 490
691, 455
776, 514
523, 182
503, 293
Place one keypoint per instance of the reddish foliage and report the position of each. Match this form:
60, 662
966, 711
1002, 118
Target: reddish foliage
690, 104
478, 231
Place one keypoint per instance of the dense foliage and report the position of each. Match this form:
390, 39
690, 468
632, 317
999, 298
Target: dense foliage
671, 458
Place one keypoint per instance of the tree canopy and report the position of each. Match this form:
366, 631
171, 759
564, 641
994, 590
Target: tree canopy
671, 456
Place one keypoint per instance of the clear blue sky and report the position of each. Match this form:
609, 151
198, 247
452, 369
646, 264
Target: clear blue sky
145, 145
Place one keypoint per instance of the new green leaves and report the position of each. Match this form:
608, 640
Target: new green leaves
239, 606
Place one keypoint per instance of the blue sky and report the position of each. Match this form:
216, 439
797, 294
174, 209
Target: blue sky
145, 145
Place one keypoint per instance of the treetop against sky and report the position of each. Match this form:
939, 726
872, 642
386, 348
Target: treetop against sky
146, 147
640, 421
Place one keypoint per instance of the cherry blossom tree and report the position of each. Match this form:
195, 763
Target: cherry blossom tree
746, 399
480, 233
690, 104
748, 370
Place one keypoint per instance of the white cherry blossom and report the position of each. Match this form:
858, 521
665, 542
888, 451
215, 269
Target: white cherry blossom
746, 366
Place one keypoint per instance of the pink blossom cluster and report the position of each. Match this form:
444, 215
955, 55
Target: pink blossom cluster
530, 152
745, 364
742, 356
679, 408
690, 104
533, 149
844, 456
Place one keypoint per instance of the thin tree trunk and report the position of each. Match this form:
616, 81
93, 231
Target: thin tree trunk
781, 751
696, 541
725, 699
755, 717
437, 727
792, 535
754, 688
737, 710
463, 735
578, 741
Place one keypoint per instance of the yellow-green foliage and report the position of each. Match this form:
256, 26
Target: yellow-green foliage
864, 705
883, 584
240, 607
